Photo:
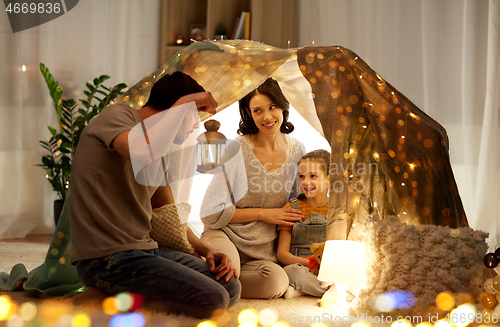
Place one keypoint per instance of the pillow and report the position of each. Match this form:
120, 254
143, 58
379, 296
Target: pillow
424, 260
167, 229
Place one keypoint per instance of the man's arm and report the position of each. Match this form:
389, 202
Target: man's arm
163, 196
204, 102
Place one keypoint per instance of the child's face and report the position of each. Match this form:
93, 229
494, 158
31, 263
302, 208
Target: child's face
312, 178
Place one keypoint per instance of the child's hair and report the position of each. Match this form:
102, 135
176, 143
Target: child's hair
320, 155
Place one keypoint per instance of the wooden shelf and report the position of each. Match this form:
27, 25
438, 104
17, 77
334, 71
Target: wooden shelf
273, 22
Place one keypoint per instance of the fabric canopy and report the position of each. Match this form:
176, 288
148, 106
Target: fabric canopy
388, 156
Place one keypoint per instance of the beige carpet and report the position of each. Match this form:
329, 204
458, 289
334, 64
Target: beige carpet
300, 311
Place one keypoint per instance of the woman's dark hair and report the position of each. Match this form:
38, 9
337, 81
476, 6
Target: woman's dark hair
170, 88
271, 89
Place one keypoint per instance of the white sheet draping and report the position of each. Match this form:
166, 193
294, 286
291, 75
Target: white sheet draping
445, 57
119, 38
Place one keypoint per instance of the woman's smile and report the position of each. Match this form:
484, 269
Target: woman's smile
267, 117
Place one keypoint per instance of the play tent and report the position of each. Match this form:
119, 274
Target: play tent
389, 158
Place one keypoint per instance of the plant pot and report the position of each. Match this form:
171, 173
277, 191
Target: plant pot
58, 205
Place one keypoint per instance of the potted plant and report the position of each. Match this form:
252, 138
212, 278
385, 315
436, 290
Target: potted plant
64, 139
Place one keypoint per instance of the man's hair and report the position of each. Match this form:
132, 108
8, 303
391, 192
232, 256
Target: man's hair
320, 155
271, 89
170, 88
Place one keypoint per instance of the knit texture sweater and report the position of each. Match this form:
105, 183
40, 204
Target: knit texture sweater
253, 186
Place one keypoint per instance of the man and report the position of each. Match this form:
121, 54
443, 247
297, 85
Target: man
111, 212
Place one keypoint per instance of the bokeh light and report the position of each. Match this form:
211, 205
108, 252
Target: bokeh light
27, 311
267, 317
445, 301
424, 324
5, 307
463, 298
464, 310
280, 324
318, 324
65, 321
361, 323
51, 311
220, 316
401, 323
207, 323
134, 319
108, 306
442, 323
81, 319
248, 316
394, 300
15, 321
123, 301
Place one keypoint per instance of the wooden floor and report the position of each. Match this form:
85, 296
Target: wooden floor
39, 239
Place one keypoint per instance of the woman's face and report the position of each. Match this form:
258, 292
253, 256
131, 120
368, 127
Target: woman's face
312, 178
267, 117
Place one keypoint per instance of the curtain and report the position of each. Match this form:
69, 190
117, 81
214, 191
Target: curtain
119, 38
445, 57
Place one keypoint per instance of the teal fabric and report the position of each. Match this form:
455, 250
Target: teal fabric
56, 276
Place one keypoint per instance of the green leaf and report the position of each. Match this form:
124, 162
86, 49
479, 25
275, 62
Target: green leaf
52, 130
90, 87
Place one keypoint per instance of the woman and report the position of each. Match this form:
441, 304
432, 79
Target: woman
261, 162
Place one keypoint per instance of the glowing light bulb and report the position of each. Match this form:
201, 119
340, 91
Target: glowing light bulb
23, 68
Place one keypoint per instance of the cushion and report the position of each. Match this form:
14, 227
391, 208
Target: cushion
424, 260
169, 227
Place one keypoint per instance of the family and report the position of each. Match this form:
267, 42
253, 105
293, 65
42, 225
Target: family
254, 248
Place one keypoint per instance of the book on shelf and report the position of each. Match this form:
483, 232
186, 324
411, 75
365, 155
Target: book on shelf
243, 26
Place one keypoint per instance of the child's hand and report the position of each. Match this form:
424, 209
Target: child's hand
282, 216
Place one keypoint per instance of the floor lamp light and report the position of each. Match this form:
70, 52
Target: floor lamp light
342, 264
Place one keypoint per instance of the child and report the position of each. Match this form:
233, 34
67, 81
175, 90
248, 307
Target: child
294, 242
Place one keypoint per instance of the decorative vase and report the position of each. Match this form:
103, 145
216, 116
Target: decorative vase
58, 205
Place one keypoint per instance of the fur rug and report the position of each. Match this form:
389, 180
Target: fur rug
301, 311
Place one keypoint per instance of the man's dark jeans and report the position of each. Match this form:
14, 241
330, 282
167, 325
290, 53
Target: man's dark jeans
182, 282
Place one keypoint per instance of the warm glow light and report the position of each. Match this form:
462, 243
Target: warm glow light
249, 316
342, 264
267, 317
424, 324
464, 310
361, 323
280, 324
442, 323
5, 307
207, 323
445, 301
27, 311
401, 323
108, 306
412, 166
81, 319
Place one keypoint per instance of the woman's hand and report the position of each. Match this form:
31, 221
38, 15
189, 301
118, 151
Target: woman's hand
282, 216
224, 267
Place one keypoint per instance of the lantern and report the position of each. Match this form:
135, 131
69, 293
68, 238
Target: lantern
211, 146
